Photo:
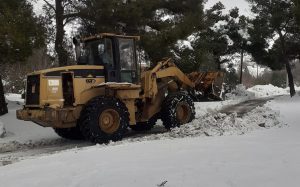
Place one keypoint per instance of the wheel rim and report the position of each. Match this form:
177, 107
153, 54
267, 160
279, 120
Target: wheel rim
182, 113
109, 121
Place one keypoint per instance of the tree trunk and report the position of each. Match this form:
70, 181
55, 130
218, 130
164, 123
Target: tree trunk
287, 65
290, 78
60, 32
3, 104
242, 62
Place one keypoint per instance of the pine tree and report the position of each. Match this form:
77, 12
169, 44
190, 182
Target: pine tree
223, 35
20, 32
274, 20
297, 10
208, 45
160, 23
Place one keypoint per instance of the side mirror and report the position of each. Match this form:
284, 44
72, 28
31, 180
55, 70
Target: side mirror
100, 49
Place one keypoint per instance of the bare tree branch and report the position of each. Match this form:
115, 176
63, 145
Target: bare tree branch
50, 5
67, 4
68, 20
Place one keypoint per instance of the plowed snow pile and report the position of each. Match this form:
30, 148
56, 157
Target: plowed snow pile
268, 90
240, 93
258, 91
221, 124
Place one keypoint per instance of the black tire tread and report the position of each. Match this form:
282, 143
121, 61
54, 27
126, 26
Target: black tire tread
168, 109
89, 120
73, 133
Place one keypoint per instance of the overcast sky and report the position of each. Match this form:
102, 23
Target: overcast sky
241, 4
229, 4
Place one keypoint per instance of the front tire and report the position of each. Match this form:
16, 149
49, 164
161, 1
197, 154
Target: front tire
104, 119
177, 109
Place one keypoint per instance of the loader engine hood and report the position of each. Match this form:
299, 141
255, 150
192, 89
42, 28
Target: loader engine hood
59, 87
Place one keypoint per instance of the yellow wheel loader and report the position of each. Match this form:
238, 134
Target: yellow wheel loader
108, 91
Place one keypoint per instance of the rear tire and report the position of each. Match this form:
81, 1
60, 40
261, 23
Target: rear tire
144, 126
177, 109
73, 133
104, 119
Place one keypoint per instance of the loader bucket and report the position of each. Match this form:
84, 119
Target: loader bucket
208, 85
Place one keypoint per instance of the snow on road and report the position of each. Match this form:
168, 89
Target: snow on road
21, 131
261, 158
25, 139
214, 150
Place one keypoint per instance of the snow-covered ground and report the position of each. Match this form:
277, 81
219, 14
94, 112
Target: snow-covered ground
214, 150
21, 131
270, 90
258, 91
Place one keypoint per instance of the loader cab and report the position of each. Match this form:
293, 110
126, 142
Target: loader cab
116, 53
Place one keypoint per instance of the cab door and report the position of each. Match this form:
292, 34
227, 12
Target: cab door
127, 60
111, 70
